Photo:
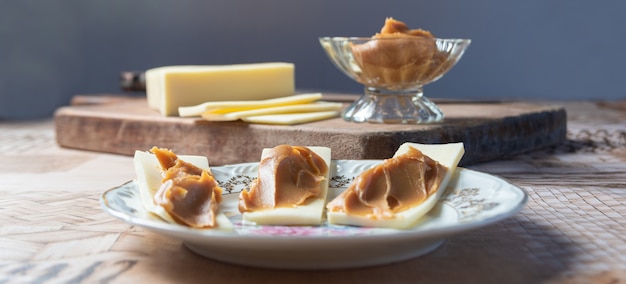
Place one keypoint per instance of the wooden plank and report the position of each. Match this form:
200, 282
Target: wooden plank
490, 130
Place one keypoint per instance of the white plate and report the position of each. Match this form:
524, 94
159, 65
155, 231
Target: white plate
472, 200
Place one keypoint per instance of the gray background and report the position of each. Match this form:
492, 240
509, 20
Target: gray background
538, 49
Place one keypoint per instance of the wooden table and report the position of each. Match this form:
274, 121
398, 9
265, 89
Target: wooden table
573, 229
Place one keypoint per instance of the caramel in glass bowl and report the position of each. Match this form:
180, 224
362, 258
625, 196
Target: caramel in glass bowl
394, 65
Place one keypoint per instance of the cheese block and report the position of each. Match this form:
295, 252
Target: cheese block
448, 155
310, 213
286, 109
170, 87
148, 171
223, 107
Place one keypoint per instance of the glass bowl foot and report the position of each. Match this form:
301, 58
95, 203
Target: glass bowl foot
393, 107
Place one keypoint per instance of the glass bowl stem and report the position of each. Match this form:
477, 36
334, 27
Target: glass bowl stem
379, 105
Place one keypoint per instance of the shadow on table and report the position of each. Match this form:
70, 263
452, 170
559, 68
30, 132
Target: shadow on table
514, 251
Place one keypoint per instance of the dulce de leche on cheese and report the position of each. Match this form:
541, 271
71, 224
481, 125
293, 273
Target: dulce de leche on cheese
191, 195
288, 176
396, 185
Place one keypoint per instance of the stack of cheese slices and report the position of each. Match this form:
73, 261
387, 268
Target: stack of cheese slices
294, 109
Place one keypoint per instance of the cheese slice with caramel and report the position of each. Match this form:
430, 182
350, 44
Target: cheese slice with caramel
182, 192
290, 188
398, 192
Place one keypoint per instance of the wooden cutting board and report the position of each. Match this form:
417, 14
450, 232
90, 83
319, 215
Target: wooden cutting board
489, 130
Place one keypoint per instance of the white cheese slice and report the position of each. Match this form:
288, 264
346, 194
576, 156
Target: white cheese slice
299, 108
292, 118
170, 87
448, 155
221, 107
149, 178
310, 213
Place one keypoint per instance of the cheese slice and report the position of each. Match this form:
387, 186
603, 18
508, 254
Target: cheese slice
222, 107
148, 171
310, 213
170, 87
448, 155
291, 118
299, 108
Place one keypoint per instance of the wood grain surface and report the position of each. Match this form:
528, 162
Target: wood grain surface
489, 130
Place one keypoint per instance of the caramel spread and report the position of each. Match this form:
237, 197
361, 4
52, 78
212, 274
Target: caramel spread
288, 177
395, 185
189, 194
398, 57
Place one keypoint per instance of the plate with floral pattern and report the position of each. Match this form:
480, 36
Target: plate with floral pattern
472, 200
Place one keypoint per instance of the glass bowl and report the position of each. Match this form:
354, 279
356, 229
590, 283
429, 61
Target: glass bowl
394, 71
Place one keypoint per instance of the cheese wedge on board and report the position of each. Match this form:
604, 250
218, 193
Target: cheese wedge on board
286, 109
148, 171
222, 107
310, 213
448, 155
170, 87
